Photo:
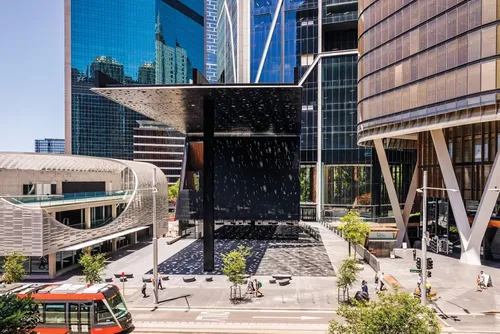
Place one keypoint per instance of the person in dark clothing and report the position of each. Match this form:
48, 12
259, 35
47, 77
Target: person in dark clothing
143, 290
364, 286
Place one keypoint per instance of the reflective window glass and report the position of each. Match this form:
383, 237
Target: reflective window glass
450, 85
414, 14
441, 88
431, 8
406, 45
414, 42
474, 79
431, 62
474, 13
451, 29
474, 45
414, 68
489, 11
441, 29
405, 99
463, 20
398, 75
462, 50
488, 75
422, 65
441, 58
431, 91
431, 33
451, 50
461, 82
488, 42
413, 96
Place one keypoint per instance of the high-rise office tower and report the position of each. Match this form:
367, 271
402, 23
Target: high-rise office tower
147, 42
49, 145
211, 40
312, 43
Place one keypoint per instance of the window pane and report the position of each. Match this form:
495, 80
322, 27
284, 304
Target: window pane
406, 71
398, 75
451, 50
451, 29
431, 62
102, 314
414, 68
431, 91
440, 29
55, 313
405, 99
450, 85
488, 42
461, 89
422, 35
406, 45
474, 46
399, 49
441, 58
422, 93
441, 88
488, 75
463, 53
474, 78
414, 14
422, 65
431, 33
489, 11
474, 13
413, 96
463, 18
431, 8
414, 42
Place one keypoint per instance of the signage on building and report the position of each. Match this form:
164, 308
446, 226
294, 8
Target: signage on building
382, 235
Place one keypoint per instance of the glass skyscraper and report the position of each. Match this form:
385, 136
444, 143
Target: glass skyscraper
49, 145
147, 42
290, 42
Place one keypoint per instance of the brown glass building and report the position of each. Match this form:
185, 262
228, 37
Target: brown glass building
429, 78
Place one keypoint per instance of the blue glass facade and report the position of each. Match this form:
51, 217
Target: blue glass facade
211, 40
147, 42
49, 145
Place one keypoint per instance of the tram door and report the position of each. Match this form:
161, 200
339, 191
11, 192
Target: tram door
79, 318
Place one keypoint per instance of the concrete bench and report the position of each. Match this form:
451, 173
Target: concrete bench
165, 278
209, 279
147, 279
284, 282
108, 279
281, 277
272, 281
189, 279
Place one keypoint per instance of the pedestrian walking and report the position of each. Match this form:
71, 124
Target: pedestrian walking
250, 287
258, 285
376, 282
143, 290
160, 285
381, 279
42, 263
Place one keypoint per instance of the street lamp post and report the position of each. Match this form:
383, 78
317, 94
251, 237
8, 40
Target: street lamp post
423, 290
155, 242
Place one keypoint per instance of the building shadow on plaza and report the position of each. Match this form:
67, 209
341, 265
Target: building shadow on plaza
275, 250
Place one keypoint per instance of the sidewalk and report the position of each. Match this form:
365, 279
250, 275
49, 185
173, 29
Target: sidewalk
454, 282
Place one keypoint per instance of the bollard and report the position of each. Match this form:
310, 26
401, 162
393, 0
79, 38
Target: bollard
283, 298
298, 299
312, 297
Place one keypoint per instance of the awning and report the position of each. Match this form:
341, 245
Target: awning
102, 239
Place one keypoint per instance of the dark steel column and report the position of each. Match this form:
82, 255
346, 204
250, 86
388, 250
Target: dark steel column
208, 183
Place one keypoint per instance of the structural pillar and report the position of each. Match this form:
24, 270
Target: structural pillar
114, 244
391, 190
52, 264
208, 184
114, 209
88, 221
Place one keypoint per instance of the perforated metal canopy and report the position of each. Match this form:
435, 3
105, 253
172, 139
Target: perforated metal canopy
256, 109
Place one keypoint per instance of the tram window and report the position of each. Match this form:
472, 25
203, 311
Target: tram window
85, 313
102, 314
41, 314
55, 313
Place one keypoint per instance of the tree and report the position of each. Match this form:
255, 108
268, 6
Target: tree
354, 229
235, 264
347, 275
18, 315
393, 313
93, 266
173, 191
13, 267
305, 187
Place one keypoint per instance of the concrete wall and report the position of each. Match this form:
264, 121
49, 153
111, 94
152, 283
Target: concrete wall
11, 181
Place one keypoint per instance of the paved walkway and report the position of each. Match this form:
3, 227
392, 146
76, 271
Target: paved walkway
453, 281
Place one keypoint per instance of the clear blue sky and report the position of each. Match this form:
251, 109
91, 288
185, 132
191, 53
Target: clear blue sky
32, 70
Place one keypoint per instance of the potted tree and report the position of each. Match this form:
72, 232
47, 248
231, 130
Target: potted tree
235, 270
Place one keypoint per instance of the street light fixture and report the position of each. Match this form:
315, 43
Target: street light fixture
423, 294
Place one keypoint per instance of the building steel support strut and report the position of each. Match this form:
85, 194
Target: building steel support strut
208, 183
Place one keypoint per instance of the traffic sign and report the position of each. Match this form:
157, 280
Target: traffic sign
415, 270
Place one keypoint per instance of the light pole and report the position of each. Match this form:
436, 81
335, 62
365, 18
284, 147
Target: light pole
423, 290
155, 241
